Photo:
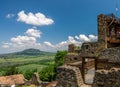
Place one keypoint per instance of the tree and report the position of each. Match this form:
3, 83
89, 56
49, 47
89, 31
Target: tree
11, 70
47, 73
28, 73
60, 58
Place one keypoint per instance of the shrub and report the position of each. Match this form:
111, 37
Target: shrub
11, 71
47, 73
60, 57
28, 73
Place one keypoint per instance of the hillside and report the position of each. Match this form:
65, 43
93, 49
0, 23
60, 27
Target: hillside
26, 52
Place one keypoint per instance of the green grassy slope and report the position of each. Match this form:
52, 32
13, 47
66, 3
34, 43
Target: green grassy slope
29, 59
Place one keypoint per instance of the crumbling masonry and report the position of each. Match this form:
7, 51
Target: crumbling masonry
103, 55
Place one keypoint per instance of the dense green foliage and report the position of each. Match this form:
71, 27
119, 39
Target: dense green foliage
11, 71
59, 57
49, 73
28, 74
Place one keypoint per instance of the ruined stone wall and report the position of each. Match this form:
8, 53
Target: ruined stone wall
112, 54
69, 76
102, 26
107, 78
90, 49
109, 58
73, 54
72, 48
72, 57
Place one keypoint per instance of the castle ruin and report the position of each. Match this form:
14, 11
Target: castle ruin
103, 56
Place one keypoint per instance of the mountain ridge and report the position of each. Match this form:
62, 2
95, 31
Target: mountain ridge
26, 52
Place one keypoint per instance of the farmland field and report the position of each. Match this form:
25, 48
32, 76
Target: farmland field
27, 63
4, 62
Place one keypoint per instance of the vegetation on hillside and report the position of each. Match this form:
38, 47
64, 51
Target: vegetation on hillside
49, 73
45, 65
59, 58
25, 53
11, 71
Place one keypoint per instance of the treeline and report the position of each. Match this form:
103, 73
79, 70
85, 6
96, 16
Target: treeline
7, 64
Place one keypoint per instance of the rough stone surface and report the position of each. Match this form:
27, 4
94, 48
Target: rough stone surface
109, 58
107, 78
89, 49
69, 76
72, 48
72, 57
73, 54
35, 79
112, 54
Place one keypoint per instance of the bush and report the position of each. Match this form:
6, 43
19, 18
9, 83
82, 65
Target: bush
28, 73
11, 71
60, 58
47, 73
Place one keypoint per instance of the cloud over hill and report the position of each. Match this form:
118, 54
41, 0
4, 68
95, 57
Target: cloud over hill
30, 40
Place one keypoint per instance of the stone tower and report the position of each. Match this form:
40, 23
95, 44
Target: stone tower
102, 26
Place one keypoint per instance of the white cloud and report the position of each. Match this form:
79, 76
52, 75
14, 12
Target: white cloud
63, 45
48, 44
71, 39
29, 40
83, 38
93, 37
5, 46
10, 15
23, 42
33, 33
38, 19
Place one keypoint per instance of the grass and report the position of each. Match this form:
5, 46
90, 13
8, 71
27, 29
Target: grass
31, 67
24, 68
27, 63
25, 60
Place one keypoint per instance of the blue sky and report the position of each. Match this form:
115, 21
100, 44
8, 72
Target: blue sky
50, 25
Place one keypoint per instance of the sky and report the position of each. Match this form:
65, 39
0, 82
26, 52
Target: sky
50, 25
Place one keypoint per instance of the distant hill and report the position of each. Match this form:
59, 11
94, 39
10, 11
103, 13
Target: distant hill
26, 52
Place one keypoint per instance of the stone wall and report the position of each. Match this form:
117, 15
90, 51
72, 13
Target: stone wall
73, 54
109, 58
89, 49
102, 26
72, 57
69, 76
107, 78
72, 48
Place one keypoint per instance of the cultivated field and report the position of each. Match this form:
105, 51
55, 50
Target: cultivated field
27, 63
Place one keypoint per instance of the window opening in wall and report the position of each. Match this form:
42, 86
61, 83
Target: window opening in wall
75, 58
112, 31
86, 46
